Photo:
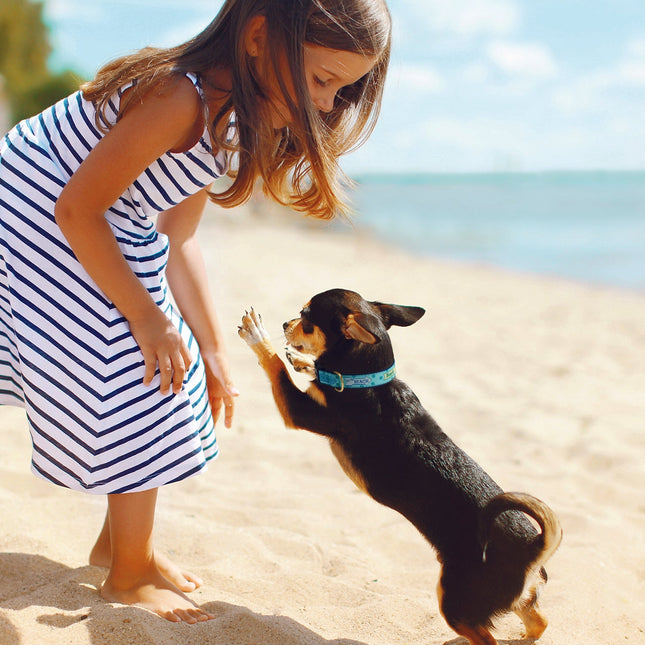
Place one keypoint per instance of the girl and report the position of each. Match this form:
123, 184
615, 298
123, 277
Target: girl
121, 396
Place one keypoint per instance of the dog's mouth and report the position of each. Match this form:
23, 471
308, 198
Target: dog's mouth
291, 341
298, 347
303, 337
290, 336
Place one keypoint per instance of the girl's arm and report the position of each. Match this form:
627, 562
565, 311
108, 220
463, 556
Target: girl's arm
163, 120
186, 275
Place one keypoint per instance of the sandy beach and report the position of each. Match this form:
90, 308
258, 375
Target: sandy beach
541, 381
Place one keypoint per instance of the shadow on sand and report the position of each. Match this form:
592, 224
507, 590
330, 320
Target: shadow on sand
28, 581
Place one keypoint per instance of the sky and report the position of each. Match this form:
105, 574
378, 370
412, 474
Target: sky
474, 85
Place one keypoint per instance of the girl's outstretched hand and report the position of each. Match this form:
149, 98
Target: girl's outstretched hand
161, 344
221, 390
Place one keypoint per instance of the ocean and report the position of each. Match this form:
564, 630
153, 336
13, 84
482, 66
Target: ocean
583, 226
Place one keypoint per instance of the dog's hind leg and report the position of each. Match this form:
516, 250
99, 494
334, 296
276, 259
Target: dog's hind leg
475, 634
527, 608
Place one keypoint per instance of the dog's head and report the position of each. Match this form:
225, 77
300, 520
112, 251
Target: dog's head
339, 318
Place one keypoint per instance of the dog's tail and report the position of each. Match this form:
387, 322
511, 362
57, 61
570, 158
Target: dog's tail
551, 532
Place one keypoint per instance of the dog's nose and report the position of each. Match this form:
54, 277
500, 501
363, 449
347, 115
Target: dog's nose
285, 325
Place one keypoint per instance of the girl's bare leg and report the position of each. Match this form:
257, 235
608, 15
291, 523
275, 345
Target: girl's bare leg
134, 577
101, 556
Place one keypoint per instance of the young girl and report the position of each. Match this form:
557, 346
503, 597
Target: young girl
121, 396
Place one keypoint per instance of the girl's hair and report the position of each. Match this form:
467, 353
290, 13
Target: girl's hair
298, 164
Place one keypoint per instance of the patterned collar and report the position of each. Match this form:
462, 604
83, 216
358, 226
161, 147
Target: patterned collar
342, 382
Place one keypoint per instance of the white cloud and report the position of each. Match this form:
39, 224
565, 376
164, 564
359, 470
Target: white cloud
417, 78
183, 32
526, 59
61, 10
600, 89
96, 10
632, 73
631, 70
636, 47
467, 17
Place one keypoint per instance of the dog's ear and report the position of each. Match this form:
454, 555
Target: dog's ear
399, 315
361, 327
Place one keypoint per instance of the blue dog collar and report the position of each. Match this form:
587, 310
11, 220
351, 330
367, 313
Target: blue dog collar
342, 382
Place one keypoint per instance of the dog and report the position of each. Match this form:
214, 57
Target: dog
491, 554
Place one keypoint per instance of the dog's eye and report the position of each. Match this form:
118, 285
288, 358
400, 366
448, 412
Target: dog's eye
307, 327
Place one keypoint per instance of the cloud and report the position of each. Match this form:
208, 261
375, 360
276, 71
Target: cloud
183, 32
522, 59
416, 78
81, 10
636, 47
97, 10
632, 73
467, 18
601, 90
631, 70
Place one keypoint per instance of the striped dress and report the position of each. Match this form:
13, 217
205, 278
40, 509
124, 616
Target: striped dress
66, 353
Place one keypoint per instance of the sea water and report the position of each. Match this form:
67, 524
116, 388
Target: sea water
583, 226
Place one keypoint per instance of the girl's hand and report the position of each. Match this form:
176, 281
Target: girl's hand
161, 344
221, 390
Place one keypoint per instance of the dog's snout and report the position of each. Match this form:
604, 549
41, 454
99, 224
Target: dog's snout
285, 325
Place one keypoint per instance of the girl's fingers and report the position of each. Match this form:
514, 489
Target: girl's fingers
216, 405
150, 362
165, 374
185, 354
180, 366
178, 373
229, 408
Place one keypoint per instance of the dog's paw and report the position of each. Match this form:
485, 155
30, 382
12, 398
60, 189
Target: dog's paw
303, 363
252, 330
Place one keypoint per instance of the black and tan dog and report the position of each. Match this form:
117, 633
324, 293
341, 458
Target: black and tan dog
491, 555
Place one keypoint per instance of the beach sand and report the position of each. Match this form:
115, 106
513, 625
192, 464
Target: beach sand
541, 381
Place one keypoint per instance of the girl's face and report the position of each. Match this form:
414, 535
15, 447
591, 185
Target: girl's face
326, 71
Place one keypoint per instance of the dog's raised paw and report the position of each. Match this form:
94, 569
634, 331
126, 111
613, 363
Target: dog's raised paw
252, 330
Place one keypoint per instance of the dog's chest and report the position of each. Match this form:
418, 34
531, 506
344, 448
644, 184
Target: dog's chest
347, 465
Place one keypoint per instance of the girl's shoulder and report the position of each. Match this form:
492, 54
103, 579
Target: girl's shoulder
180, 95
183, 90
173, 108
185, 102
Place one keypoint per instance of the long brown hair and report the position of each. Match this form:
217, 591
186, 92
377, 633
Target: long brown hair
298, 164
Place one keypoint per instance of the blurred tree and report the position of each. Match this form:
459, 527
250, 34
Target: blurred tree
24, 49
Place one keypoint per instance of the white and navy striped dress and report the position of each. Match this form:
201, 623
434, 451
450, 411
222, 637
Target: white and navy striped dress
66, 352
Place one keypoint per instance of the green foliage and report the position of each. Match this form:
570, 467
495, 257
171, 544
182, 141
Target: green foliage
29, 85
37, 96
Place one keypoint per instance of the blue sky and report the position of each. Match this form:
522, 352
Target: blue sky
474, 86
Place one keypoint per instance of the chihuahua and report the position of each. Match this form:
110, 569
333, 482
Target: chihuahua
491, 554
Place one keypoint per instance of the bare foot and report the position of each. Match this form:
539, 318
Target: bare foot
157, 595
180, 578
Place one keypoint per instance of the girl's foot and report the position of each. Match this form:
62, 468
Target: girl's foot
156, 594
183, 580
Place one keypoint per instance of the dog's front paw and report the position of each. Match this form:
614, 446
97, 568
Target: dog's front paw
303, 363
252, 331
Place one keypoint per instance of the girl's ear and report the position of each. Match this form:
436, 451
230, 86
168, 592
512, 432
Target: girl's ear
255, 35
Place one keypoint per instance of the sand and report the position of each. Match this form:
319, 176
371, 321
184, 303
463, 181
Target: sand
542, 381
